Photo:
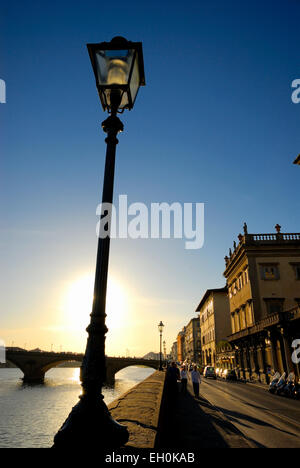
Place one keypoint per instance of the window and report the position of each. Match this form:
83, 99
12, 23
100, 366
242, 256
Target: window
246, 276
232, 323
296, 267
243, 318
249, 315
237, 321
269, 272
274, 306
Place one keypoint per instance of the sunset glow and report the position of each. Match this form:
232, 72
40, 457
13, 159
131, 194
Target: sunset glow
77, 303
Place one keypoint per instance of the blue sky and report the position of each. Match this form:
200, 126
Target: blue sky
214, 124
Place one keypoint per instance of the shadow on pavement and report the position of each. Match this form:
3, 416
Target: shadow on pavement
241, 419
187, 425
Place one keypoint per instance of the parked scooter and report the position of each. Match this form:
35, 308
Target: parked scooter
296, 391
281, 384
288, 390
274, 382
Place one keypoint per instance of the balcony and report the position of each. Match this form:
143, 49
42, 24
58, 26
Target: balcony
270, 321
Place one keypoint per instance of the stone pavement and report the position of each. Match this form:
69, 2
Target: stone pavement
156, 420
193, 424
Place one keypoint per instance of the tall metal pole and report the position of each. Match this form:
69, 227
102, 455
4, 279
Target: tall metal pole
160, 363
94, 358
90, 423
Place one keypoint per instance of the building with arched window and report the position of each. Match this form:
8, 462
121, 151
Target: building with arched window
263, 279
214, 322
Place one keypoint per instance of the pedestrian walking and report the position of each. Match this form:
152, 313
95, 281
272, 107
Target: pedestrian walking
172, 376
183, 378
196, 381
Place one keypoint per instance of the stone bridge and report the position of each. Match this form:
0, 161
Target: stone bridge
34, 364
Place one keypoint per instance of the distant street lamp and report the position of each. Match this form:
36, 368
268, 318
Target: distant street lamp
119, 72
160, 329
165, 350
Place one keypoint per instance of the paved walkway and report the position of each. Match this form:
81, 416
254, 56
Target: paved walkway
193, 424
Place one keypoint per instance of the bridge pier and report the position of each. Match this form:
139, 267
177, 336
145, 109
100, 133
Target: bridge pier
34, 376
110, 375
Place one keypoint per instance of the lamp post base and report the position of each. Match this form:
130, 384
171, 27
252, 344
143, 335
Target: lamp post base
90, 424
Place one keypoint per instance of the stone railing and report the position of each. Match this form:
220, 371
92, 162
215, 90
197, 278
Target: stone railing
272, 237
262, 239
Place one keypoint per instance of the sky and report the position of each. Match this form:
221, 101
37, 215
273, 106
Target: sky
215, 124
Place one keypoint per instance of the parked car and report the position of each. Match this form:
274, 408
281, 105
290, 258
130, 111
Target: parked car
209, 372
231, 375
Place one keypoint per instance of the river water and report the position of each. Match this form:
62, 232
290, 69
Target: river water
31, 415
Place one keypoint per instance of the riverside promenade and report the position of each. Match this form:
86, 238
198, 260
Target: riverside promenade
156, 421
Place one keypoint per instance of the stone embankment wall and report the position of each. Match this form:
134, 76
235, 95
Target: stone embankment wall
139, 410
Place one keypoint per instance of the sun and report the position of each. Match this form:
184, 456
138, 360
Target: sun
78, 302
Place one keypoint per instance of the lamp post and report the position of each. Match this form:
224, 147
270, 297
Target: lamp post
119, 72
160, 329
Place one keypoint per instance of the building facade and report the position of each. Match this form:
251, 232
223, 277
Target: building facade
181, 345
214, 322
263, 279
225, 355
173, 353
193, 341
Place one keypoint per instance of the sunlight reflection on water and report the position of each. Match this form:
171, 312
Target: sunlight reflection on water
31, 415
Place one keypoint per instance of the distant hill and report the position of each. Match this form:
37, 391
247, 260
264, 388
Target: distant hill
151, 355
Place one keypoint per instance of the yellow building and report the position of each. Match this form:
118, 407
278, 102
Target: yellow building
263, 279
181, 345
214, 322
193, 341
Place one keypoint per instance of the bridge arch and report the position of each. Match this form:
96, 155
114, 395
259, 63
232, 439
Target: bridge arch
56, 363
34, 365
116, 365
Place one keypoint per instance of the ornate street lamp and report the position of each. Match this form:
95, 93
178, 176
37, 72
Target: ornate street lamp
160, 329
119, 72
297, 160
